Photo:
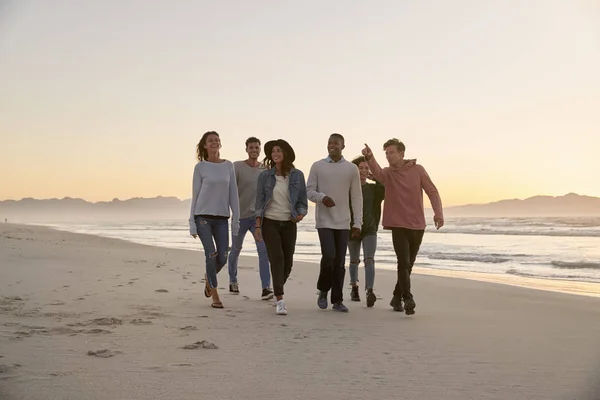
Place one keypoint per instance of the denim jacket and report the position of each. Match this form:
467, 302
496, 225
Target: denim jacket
297, 188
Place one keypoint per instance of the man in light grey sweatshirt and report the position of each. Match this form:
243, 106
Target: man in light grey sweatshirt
334, 185
246, 176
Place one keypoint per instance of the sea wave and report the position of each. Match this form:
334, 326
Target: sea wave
575, 264
484, 258
513, 232
513, 271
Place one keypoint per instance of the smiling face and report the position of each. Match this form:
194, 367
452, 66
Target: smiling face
277, 155
253, 150
363, 169
393, 155
213, 144
335, 145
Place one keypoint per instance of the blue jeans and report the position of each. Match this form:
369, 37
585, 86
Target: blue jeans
369, 244
334, 243
214, 235
248, 224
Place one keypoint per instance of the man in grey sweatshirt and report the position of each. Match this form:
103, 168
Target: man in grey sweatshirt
246, 175
332, 183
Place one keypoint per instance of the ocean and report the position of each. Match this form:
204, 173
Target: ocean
546, 248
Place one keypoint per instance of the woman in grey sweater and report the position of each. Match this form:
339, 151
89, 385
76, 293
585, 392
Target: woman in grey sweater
214, 194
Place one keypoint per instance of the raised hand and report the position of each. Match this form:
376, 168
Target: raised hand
367, 152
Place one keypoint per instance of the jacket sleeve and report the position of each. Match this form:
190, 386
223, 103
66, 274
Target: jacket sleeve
302, 202
312, 185
432, 193
196, 186
234, 203
260, 195
379, 192
379, 173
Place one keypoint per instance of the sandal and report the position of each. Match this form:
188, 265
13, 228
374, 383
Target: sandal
217, 304
207, 289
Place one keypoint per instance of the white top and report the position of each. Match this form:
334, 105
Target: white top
278, 208
341, 182
214, 192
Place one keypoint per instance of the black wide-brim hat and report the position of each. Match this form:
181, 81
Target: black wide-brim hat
291, 155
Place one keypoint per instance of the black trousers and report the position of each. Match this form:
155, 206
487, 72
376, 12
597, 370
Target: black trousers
406, 246
334, 244
280, 241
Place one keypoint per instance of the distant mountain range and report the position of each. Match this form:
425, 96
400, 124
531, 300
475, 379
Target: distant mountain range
169, 208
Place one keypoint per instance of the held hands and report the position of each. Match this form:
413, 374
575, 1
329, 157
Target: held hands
258, 234
355, 232
298, 218
367, 152
439, 222
328, 202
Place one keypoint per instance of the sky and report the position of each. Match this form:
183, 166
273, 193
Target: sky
102, 100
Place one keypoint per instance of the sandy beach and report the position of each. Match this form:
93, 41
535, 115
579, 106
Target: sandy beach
85, 317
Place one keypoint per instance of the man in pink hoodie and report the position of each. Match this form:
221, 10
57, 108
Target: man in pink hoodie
403, 212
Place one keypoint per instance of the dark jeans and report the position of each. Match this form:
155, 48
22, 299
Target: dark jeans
280, 240
406, 245
214, 235
334, 243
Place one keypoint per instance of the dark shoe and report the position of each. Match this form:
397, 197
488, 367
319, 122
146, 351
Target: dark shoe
322, 300
396, 303
354, 296
409, 305
371, 298
234, 288
340, 307
267, 294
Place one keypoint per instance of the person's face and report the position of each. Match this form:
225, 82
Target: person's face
213, 143
253, 150
363, 168
335, 145
277, 154
392, 155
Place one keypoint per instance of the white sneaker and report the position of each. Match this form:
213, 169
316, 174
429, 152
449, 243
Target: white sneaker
281, 310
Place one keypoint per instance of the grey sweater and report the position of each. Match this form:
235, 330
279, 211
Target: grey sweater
340, 181
214, 192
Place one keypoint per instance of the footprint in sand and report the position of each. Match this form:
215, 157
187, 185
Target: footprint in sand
104, 353
80, 298
139, 321
194, 282
4, 369
245, 297
106, 321
57, 303
201, 345
161, 291
189, 328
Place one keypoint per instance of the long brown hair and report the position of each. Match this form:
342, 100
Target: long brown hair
286, 164
201, 151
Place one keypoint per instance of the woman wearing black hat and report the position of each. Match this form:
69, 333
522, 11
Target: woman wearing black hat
280, 203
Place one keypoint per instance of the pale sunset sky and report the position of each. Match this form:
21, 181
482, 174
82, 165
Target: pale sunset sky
105, 99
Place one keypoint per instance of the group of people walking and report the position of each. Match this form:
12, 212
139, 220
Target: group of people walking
269, 198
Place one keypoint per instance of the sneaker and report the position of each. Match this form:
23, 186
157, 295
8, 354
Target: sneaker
322, 300
339, 306
354, 296
281, 310
371, 298
267, 294
234, 288
396, 303
409, 305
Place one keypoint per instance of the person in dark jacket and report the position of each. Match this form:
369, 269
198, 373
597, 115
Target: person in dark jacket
373, 194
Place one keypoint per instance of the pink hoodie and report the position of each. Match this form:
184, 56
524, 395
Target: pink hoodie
404, 186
